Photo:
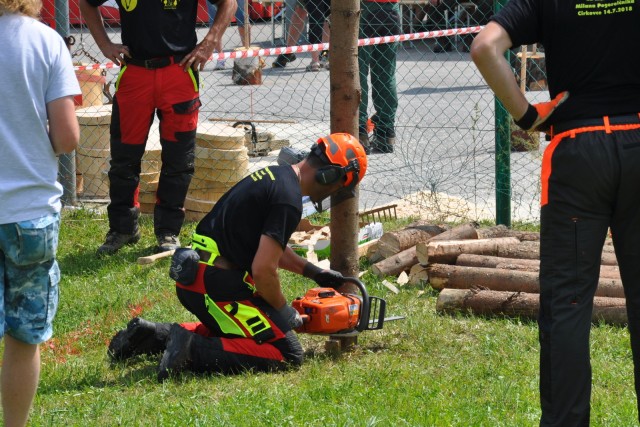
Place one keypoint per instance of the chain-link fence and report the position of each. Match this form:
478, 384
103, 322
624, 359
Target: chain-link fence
443, 161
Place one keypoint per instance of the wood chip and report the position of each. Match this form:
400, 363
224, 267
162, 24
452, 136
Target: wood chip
390, 286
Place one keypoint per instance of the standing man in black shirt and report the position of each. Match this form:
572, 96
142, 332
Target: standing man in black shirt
590, 173
234, 287
160, 58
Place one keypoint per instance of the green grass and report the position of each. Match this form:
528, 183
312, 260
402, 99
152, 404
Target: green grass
426, 370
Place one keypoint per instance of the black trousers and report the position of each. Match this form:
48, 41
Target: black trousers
318, 11
590, 183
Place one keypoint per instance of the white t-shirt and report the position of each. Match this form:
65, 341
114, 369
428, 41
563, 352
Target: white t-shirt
36, 69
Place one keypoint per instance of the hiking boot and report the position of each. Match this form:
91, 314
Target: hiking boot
168, 242
176, 357
115, 241
283, 59
140, 337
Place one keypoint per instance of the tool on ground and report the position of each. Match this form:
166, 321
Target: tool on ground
150, 259
326, 311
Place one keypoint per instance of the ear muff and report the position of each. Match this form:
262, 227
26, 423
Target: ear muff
328, 175
331, 174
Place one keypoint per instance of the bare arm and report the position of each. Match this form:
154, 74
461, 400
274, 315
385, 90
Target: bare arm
64, 131
111, 51
292, 262
265, 272
199, 56
487, 52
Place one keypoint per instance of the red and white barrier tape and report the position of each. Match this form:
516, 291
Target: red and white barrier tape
316, 47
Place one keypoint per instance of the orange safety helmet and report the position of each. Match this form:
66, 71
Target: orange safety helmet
345, 157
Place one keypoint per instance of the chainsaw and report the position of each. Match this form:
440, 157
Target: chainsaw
326, 311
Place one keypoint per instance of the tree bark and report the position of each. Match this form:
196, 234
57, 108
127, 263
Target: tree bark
493, 303
453, 276
486, 261
446, 252
345, 102
460, 232
504, 231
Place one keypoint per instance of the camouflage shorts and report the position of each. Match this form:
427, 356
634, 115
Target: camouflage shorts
29, 277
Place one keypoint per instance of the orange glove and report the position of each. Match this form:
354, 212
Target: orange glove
538, 114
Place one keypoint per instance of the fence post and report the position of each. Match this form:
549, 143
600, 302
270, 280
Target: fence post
503, 154
66, 162
345, 101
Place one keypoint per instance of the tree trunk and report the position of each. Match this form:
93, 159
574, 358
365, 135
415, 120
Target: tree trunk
493, 303
344, 102
453, 276
446, 252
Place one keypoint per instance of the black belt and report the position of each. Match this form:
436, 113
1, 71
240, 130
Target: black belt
155, 63
220, 261
627, 119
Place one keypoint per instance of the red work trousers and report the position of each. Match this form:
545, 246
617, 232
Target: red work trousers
173, 95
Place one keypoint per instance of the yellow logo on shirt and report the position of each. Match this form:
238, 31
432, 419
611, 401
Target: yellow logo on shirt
129, 5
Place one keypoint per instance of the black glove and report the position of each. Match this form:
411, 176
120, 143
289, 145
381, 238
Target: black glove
184, 266
322, 277
291, 316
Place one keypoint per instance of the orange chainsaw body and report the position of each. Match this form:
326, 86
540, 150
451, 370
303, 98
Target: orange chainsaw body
326, 311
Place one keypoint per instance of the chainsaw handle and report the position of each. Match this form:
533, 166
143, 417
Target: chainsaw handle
364, 310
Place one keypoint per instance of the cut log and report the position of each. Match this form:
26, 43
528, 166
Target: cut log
503, 231
493, 303
395, 264
446, 252
418, 275
486, 261
393, 242
524, 250
460, 232
492, 232
405, 259
443, 276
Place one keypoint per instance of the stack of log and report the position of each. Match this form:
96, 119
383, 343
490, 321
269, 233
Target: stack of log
221, 160
491, 271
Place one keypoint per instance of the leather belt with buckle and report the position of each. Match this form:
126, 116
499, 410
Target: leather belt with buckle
155, 63
219, 262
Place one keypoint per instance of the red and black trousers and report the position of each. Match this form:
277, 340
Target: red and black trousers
173, 95
590, 184
246, 331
